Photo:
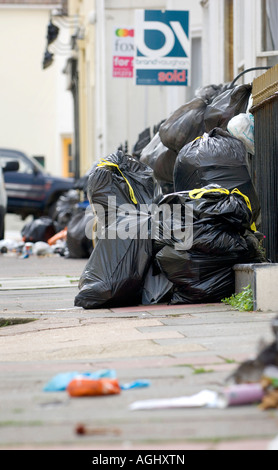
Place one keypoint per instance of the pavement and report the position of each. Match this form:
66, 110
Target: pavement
180, 350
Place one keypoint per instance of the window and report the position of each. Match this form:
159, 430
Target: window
24, 165
270, 31
68, 160
270, 25
196, 68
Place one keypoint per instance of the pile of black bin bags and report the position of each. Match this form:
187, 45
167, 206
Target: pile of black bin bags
135, 270
191, 151
213, 106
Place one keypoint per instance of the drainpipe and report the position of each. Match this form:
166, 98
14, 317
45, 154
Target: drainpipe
101, 117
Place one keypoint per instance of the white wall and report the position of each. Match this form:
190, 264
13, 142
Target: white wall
35, 106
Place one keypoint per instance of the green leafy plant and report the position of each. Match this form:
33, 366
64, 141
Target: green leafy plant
202, 370
242, 301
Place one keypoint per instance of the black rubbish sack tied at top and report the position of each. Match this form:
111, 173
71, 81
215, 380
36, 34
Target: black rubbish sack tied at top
215, 158
118, 186
225, 106
184, 125
221, 237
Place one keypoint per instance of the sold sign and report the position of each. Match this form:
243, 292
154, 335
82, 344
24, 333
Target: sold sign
162, 47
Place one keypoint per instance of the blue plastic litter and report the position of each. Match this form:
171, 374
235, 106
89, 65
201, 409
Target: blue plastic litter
135, 384
60, 381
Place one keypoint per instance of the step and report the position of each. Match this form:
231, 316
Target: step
263, 279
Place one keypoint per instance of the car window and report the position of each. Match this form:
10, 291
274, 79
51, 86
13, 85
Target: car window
24, 165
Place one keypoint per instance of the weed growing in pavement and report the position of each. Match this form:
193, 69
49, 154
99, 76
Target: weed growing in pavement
228, 361
14, 321
242, 301
201, 370
197, 370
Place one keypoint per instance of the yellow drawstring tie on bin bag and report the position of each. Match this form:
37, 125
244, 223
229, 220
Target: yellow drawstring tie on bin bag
198, 193
131, 192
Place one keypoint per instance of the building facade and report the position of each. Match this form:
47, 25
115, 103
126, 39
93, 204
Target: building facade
36, 108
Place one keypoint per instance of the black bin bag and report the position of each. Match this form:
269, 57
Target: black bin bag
117, 188
157, 287
197, 277
41, 229
215, 158
184, 125
66, 206
226, 105
80, 234
221, 237
162, 160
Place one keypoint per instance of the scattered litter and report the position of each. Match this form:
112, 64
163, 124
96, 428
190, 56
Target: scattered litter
269, 382
62, 235
24, 250
87, 387
61, 382
84, 430
41, 249
254, 382
8, 245
229, 396
243, 394
205, 398
135, 384
270, 400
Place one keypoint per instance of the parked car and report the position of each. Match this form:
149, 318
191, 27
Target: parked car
31, 190
11, 166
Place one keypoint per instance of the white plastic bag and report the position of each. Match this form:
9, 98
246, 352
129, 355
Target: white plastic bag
242, 127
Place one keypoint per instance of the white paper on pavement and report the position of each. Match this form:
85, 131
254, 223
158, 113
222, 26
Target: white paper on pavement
205, 398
